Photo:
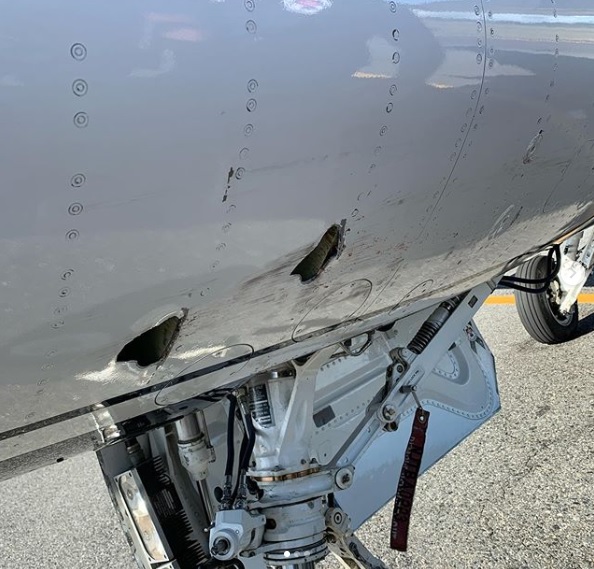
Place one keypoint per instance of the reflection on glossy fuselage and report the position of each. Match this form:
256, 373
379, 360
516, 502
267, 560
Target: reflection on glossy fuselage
182, 158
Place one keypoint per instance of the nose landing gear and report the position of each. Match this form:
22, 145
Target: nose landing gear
548, 305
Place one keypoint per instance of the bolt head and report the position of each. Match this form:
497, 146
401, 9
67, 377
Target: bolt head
221, 546
344, 478
389, 412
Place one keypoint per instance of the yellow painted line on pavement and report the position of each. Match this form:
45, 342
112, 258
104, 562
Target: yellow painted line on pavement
501, 299
584, 298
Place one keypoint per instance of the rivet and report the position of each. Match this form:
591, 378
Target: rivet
78, 51
80, 88
251, 105
75, 208
77, 180
81, 120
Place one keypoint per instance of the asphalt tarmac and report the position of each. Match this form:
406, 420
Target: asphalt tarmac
518, 494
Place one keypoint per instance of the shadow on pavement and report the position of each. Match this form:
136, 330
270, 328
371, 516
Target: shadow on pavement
585, 326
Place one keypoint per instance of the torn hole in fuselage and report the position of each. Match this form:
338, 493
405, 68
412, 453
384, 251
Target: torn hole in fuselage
153, 345
329, 247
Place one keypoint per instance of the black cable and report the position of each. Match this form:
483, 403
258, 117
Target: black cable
553, 266
553, 270
242, 451
214, 396
528, 290
251, 433
247, 447
230, 435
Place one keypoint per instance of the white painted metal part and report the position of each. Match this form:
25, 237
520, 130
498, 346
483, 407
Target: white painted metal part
575, 272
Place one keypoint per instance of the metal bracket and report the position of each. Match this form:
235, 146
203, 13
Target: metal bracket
408, 370
576, 267
347, 548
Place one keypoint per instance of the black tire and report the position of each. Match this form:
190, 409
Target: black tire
538, 313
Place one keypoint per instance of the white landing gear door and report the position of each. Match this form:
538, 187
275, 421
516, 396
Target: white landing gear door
460, 394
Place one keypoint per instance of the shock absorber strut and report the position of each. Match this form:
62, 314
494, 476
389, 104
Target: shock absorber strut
195, 453
432, 325
281, 499
293, 487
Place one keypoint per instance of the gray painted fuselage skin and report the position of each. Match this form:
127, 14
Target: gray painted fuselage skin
181, 158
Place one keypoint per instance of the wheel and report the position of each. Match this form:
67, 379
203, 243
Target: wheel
539, 313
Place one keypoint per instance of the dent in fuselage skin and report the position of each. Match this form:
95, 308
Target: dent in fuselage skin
229, 178
532, 147
151, 163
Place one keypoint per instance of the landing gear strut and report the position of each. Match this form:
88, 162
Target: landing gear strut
551, 316
280, 469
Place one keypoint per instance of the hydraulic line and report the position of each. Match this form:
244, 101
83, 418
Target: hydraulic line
230, 426
227, 498
554, 266
247, 447
251, 442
